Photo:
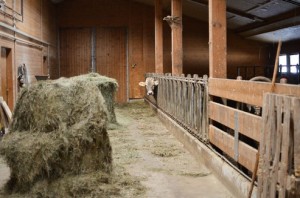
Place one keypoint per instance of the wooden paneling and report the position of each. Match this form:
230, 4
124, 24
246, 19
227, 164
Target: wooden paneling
111, 57
33, 59
53, 62
49, 33
75, 51
139, 20
32, 19
246, 91
39, 22
136, 52
248, 124
224, 141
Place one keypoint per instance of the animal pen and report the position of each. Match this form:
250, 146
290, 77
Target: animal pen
235, 134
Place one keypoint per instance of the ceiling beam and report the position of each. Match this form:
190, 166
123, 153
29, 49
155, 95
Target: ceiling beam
233, 11
287, 19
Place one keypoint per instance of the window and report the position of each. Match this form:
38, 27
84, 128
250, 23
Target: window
283, 63
294, 62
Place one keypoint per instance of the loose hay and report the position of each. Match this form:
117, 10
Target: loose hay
59, 128
107, 86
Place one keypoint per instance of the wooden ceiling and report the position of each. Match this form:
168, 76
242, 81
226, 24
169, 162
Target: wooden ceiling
264, 20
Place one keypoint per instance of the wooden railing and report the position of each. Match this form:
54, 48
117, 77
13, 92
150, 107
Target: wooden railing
211, 110
238, 133
185, 100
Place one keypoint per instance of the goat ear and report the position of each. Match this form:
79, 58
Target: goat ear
156, 82
142, 84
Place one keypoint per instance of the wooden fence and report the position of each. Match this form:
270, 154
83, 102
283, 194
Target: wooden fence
185, 100
277, 150
234, 132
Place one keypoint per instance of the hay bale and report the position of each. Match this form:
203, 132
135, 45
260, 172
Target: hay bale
58, 128
107, 86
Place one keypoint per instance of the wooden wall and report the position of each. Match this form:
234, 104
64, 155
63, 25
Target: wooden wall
139, 21
33, 40
75, 48
240, 51
136, 18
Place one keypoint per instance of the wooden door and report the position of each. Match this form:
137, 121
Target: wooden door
75, 51
6, 76
111, 57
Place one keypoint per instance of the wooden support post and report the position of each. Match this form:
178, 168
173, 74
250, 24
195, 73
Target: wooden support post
158, 37
217, 39
177, 52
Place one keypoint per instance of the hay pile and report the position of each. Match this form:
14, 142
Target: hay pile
58, 131
107, 86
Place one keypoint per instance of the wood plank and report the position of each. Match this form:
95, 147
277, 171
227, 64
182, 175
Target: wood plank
217, 39
249, 125
177, 51
158, 37
283, 173
296, 118
225, 142
276, 148
268, 130
248, 92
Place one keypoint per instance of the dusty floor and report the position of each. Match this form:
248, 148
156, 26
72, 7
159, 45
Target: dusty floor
146, 150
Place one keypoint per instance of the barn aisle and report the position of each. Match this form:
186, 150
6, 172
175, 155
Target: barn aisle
148, 151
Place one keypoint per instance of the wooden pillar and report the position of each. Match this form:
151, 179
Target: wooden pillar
177, 52
158, 37
217, 39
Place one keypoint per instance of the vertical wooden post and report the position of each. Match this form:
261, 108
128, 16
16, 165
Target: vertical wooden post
217, 39
177, 52
158, 37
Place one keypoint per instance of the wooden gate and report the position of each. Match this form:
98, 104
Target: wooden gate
279, 146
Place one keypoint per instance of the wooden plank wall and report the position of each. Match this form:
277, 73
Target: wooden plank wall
111, 57
39, 23
33, 63
75, 51
139, 20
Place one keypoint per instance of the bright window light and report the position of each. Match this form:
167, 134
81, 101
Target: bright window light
293, 69
283, 63
283, 69
282, 60
294, 59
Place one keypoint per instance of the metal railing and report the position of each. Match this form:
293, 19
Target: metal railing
185, 99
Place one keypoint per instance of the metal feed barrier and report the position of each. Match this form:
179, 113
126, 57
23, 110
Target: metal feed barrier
235, 134
185, 100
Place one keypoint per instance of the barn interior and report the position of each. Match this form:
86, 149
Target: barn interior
129, 39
